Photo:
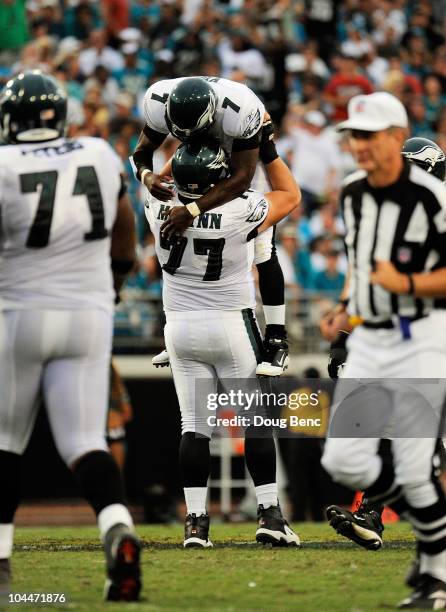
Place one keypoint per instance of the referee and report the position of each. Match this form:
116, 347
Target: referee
395, 217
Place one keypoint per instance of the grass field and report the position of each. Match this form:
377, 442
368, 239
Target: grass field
326, 574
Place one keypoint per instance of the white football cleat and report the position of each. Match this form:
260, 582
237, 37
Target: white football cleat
161, 360
273, 528
276, 359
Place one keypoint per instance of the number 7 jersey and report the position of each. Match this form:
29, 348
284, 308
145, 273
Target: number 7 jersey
58, 203
239, 113
209, 267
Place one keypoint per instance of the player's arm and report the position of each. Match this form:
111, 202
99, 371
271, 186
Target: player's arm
242, 166
285, 196
123, 242
244, 158
149, 140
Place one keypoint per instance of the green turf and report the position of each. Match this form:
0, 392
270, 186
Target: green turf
326, 574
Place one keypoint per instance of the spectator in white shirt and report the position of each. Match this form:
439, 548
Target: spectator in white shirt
98, 54
375, 66
240, 61
307, 62
314, 159
357, 44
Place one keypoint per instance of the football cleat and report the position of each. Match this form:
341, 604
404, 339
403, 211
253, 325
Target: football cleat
196, 531
429, 594
273, 528
122, 551
161, 360
362, 527
5, 579
276, 359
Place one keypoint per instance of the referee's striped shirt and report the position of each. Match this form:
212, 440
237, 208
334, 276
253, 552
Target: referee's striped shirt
404, 223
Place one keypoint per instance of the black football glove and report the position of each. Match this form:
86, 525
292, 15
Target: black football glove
337, 355
267, 148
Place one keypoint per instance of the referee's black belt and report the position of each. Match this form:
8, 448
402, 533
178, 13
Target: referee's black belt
389, 324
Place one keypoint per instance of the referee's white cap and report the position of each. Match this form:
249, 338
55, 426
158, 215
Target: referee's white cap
374, 112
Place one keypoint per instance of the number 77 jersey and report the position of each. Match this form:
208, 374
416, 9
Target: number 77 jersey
209, 267
58, 203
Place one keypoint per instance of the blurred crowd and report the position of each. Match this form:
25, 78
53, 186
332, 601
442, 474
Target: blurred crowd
304, 58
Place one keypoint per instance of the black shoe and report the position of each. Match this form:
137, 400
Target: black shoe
122, 550
363, 527
275, 359
196, 531
273, 528
5, 579
430, 594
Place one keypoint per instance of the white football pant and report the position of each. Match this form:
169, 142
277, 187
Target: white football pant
205, 346
66, 355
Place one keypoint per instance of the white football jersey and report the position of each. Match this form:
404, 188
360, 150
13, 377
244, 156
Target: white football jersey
209, 268
58, 203
239, 112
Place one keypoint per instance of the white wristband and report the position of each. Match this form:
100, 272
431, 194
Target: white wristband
143, 174
193, 209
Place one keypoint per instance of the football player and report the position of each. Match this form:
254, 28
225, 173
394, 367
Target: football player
188, 107
211, 333
364, 526
67, 242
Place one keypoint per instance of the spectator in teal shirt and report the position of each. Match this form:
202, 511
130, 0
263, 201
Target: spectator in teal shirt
133, 76
331, 280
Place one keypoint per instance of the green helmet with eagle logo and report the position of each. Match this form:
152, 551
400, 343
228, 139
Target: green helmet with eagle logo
198, 166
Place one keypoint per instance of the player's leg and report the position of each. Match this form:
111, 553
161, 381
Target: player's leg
347, 523
76, 386
119, 413
355, 461
21, 335
419, 412
364, 525
193, 380
426, 503
240, 339
272, 291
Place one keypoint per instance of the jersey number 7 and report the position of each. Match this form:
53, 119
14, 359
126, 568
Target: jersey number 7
86, 184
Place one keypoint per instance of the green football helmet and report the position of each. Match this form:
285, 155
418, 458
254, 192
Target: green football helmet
190, 108
198, 166
33, 108
426, 154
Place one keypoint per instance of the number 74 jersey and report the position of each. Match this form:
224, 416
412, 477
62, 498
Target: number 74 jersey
209, 267
58, 203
